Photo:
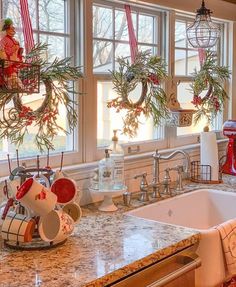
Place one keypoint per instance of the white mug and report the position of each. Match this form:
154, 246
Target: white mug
74, 210
12, 186
18, 227
36, 197
44, 178
55, 226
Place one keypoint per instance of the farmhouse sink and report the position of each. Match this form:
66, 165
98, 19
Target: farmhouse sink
201, 209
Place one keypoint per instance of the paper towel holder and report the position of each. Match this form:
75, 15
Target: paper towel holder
202, 173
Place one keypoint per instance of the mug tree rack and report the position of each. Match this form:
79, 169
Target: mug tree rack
23, 174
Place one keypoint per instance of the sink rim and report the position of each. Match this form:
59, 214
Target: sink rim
165, 200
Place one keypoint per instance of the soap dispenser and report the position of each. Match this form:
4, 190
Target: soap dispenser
117, 154
106, 172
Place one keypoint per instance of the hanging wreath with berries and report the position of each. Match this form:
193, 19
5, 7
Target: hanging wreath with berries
55, 76
209, 95
149, 71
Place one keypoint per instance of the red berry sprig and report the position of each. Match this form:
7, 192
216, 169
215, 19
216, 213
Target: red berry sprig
50, 115
197, 100
27, 114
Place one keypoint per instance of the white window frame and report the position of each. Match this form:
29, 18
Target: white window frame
174, 139
70, 157
91, 88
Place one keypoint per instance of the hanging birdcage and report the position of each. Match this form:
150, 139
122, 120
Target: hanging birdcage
203, 33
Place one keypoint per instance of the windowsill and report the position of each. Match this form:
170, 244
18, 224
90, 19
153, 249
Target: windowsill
131, 158
86, 168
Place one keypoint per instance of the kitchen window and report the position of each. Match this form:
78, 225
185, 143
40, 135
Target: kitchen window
51, 23
111, 40
185, 62
95, 33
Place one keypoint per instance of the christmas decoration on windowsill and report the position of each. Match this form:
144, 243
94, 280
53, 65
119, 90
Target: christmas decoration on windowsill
210, 78
149, 71
203, 33
179, 117
55, 76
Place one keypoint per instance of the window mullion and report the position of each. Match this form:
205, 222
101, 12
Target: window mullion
89, 110
113, 35
37, 21
171, 132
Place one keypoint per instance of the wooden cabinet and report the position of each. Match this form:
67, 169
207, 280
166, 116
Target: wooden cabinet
175, 271
185, 280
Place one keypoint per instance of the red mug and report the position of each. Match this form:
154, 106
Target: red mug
65, 190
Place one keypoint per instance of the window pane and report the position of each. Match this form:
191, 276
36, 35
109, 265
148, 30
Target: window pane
193, 62
108, 119
11, 9
186, 59
62, 142
52, 15
146, 29
121, 27
180, 34
102, 22
185, 97
152, 50
189, 45
57, 46
180, 62
102, 56
122, 50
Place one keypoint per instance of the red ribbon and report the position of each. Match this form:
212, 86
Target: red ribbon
132, 38
27, 26
201, 55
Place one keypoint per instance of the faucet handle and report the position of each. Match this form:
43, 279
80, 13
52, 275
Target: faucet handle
167, 178
166, 182
143, 183
143, 186
180, 171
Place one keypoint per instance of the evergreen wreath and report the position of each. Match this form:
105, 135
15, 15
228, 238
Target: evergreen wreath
210, 78
148, 70
55, 76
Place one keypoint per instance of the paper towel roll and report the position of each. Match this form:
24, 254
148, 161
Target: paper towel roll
209, 153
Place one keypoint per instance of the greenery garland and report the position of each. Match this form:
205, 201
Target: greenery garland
210, 78
148, 70
15, 122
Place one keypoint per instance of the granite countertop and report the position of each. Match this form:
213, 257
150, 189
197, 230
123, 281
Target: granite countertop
103, 248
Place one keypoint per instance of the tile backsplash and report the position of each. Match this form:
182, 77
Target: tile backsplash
132, 168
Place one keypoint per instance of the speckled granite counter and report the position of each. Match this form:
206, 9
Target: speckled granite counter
103, 248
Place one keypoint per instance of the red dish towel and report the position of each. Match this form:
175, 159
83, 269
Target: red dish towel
231, 283
227, 232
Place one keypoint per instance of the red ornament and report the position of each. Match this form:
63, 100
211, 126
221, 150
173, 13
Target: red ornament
153, 78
